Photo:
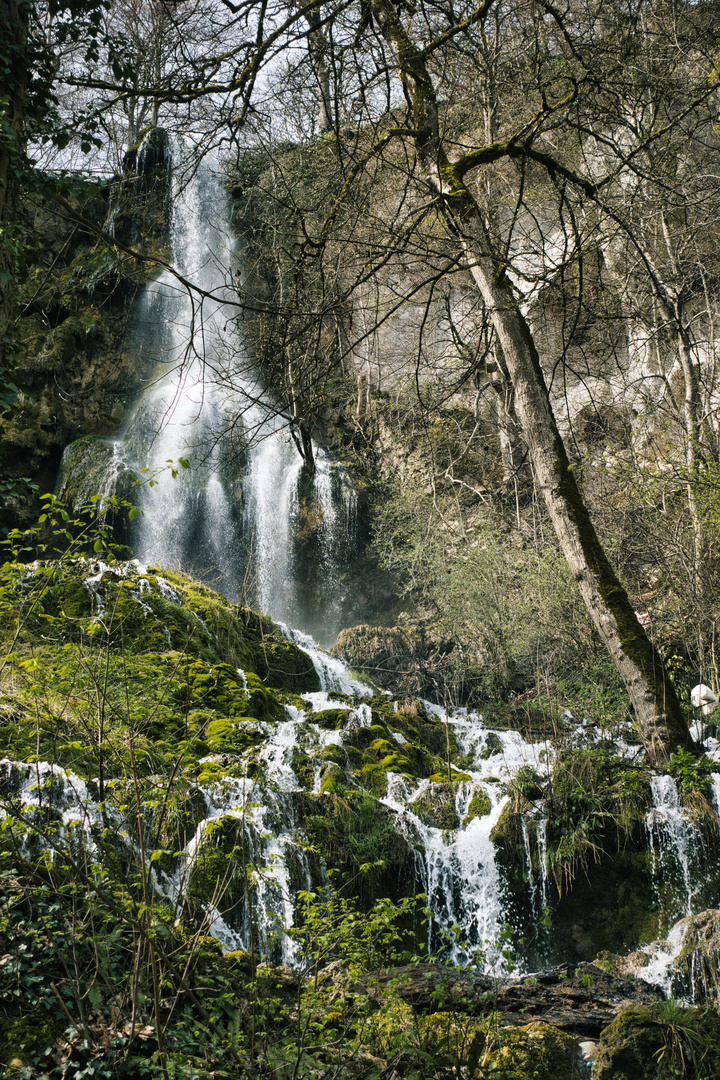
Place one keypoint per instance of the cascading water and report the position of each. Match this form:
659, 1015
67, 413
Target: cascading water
673, 840
236, 517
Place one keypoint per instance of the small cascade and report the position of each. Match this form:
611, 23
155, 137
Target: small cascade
46, 793
458, 875
333, 674
541, 836
456, 857
263, 825
675, 844
661, 959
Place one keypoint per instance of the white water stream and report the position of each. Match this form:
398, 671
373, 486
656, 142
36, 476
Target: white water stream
232, 519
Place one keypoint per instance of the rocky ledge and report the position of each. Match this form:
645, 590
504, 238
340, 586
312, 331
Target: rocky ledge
580, 1001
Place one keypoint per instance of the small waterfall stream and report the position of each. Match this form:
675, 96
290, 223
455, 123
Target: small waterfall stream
673, 839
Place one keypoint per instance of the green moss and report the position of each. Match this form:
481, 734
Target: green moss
333, 779
658, 1043
440, 777
23, 1036
493, 746
479, 806
359, 843
436, 806
217, 873
303, 767
536, 1050
235, 736
396, 762
334, 753
328, 719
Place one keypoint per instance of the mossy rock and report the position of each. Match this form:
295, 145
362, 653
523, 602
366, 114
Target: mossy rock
397, 762
360, 842
536, 1050
303, 767
458, 777
328, 719
373, 777
479, 806
334, 753
235, 736
332, 778
659, 1042
382, 747
436, 806
220, 687
287, 667
217, 873
493, 746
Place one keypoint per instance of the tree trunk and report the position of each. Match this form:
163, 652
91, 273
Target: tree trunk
652, 694
318, 46
657, 708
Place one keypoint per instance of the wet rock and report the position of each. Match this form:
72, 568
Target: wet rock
404, 659
659, 1042
582, 1001
436, 807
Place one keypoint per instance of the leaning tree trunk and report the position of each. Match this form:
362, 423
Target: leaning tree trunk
657, 709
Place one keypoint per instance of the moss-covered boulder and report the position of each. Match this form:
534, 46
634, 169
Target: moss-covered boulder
436, 806
479, 806
173, 659
470, 1047
659, 1043
217, 873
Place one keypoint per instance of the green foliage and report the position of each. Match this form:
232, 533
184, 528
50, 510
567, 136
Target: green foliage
596, 801
663, 1042
513, 616
693, 775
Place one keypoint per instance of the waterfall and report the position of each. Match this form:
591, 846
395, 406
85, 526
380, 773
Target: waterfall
675, 844
245, 517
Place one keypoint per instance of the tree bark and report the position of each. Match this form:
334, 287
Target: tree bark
319, 47
652, 694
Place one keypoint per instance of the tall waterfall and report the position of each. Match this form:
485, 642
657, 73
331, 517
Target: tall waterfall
232, 518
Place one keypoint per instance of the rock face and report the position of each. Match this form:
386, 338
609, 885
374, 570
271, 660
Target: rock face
581, 1002
407, 659
75, 374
